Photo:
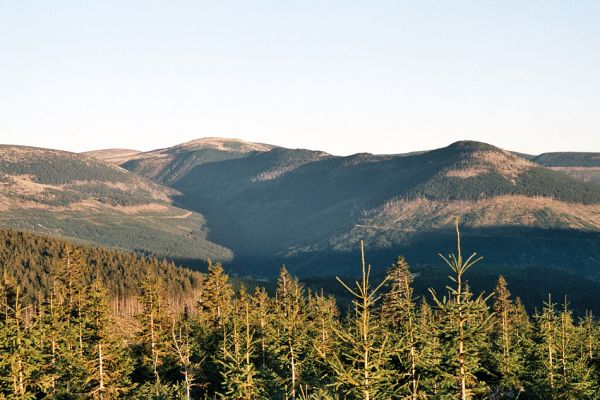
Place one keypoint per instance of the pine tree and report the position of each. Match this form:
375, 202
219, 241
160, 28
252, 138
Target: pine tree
290, 331
154, 334
575, 378
398, 314
323, 317
214, 310
361, 367
215, 304
545, 367
20, 352
106, 362
240, 377
261, 305
463, 328
186, 353
431, 372
508, 343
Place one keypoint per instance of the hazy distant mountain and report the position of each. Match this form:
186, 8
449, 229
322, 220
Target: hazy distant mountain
78, 196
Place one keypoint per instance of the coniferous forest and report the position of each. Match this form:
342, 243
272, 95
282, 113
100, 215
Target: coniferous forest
238, 343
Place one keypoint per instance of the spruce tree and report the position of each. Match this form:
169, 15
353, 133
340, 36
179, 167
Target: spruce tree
463, 329
508, 341
290, 332
21, 358
154, 334
215, 304
398, 314
240, 377
187, 355
106, 362
361, 366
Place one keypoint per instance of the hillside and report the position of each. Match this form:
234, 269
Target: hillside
81, 197
320, 206
33, 260
568, 159
583, 166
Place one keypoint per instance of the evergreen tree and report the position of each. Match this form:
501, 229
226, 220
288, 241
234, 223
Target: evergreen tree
154, 334
398, 313
508, 343
186, 353
240, 377
290, 332
361, 367
463, 329
106, 361
215, 304
21, 377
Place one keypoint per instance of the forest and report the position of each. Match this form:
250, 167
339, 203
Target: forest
234, 342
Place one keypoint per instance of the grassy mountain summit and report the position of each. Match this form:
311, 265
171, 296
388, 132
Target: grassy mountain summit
77, 196
167, 165
114, 156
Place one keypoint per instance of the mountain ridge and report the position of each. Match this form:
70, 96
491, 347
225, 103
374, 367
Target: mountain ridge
270, 205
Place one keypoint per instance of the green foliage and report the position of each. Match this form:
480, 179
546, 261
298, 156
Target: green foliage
37, 261
361, 366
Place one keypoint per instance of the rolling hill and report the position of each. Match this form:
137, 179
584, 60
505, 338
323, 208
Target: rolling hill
77, 196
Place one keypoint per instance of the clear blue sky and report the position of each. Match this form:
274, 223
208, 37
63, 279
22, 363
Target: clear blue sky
341, 76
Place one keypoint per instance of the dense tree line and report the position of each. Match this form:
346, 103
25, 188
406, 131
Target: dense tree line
34, 260
295, 344
533, 182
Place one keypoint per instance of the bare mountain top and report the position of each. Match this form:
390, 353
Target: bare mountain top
169, 164
115, 156
224, 144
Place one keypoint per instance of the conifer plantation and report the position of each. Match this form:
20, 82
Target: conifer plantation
65, 338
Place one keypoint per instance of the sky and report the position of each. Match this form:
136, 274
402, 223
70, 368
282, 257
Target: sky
340, 76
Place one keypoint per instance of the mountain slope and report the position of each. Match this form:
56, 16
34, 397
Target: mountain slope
32, 259
583, 166
77, 196
320, 205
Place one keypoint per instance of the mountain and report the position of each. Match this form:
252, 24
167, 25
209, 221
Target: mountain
308, 209
584, 166
81, 197
114, 156
167, 165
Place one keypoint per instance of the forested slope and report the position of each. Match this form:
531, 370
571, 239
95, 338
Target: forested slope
80, 197
35, 261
